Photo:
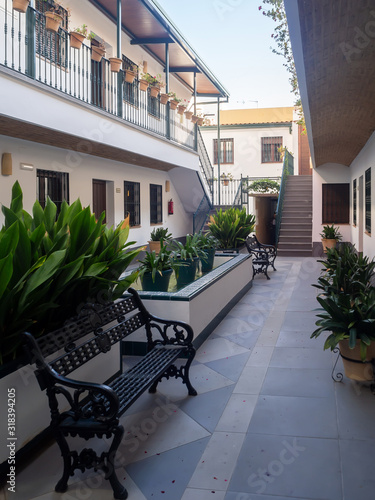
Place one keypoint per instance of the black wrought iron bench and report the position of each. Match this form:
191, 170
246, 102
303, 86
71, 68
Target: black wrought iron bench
94, 409
263, 256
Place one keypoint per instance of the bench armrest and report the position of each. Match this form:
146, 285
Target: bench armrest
87, 400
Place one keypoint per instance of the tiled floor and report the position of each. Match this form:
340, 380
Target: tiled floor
268, 422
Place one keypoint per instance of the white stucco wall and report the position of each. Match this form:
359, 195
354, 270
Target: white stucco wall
247, 150
81, 172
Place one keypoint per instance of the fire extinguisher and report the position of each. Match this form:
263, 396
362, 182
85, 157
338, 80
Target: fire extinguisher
170, 207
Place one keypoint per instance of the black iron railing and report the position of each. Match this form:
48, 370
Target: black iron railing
200, 216
28, 48
288, 169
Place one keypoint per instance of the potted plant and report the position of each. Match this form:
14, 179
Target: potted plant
97, 49
187, 255
231, 227
54, 17
77, 35
155, 83
200, 119
330, 236
208, 244
131, 73
21, 5
347, 299
173, 100
156, 269
158, 235
225, 178
181, 108
115, 64
164, 98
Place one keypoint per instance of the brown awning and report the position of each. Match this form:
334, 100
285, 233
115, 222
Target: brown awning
338, 44
144, 21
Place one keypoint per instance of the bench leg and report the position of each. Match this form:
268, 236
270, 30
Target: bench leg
62, 484
119, 491
186, 370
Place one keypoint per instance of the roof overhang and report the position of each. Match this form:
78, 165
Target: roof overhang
147, 25
334, 51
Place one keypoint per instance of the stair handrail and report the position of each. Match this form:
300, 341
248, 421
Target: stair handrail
288, 169
238, 196
200, 215
205, 162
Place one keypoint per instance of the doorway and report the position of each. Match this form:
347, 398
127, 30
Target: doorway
99, 197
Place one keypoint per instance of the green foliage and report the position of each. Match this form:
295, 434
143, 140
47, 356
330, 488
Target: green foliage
347, 299
160, 234
156, 263
206, 240
50, 265
331, 233
264, 186
231, 227
190, 249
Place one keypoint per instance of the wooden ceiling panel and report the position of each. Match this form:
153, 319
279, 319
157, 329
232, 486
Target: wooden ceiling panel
340, 71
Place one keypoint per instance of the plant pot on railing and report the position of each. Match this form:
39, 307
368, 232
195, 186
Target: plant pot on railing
154, 91
129, 75
143, 85
76, 39
173, 104
115, 63
53, 21
21, 5
164, 98
194, 118
200, 121
181, 109
188, 115
97, 53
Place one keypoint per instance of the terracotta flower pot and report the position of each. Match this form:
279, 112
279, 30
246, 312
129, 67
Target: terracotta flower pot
362, 372
129, 76
173, 104
194, 118
21, 5
181, 109
188, 115
97, 53
328, 244
53, 21
200, 121
164, 98
115, 63
143, 85
154, 91
76, 39
225, 182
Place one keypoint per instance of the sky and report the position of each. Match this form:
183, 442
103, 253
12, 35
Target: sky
233, 39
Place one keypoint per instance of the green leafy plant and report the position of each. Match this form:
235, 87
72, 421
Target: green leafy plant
190, 249
51, 264
154, 81
206, 240
331, 233
231, 227
174, 97
160, 234
347, 319
81, 29
264, 186
157, 263
227, 176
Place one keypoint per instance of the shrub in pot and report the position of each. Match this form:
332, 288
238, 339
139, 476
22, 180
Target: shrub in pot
231, 227
156, 269
49, 261
330, 236
187, 255
208, 244
158, 235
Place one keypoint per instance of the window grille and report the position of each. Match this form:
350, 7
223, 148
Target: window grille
226, 151
368, 200
51, 46
271, 149
156, 199
355, 202
132, 203
54, 185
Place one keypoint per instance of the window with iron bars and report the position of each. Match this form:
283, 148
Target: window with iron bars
130, 89
153, 105
156, 201
368, 200
132, 202
271, 149
355, 202
226, 151
51, 46
54, 185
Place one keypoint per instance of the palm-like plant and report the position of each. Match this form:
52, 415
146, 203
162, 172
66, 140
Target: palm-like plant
231, 227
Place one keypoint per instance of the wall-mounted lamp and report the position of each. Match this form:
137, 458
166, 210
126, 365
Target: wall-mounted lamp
167, 186
26, 166
6, 164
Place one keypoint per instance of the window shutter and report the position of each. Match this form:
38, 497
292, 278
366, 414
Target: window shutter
335, 203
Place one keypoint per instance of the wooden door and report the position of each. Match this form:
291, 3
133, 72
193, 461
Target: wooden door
99, 197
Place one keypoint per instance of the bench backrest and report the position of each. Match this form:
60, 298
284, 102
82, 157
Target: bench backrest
107, 324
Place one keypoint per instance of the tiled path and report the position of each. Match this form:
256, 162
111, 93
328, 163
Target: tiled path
268, 424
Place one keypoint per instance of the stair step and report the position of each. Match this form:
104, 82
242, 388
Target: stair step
294, 253
295, 235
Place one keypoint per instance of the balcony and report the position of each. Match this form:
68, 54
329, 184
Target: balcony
29, 50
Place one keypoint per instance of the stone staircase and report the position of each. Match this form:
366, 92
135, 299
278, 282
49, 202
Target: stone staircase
295, 238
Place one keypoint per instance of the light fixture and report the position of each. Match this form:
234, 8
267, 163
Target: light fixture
26, 166
6, 164
167, 186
